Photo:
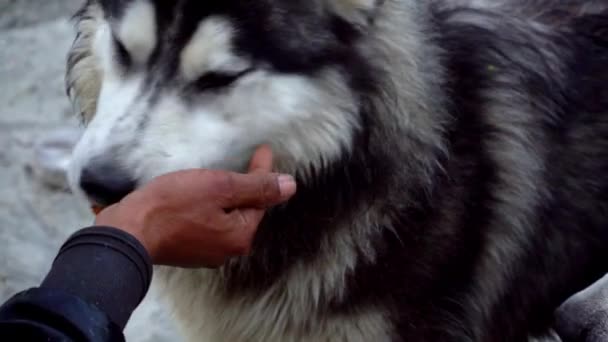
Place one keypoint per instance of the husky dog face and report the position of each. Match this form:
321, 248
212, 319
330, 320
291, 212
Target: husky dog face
170, 85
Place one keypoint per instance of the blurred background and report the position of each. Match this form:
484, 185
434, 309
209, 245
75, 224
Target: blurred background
35, 217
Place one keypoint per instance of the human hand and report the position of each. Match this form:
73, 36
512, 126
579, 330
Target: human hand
200, 218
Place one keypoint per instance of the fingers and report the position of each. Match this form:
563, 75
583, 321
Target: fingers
253, 193
261, 190
258, 189
261, 160
244, 223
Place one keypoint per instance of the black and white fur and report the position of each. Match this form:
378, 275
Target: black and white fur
452, 156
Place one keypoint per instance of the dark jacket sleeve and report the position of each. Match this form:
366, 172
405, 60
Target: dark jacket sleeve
98, 278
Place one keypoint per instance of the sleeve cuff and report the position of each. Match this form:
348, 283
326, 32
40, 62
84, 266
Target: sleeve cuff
106, 267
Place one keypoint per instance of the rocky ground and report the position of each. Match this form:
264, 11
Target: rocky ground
35, 219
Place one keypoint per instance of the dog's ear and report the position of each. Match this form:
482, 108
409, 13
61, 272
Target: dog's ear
358, 12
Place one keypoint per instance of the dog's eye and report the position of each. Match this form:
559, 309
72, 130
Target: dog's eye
122, 55
216, 80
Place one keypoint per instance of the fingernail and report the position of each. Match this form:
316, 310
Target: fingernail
287, 186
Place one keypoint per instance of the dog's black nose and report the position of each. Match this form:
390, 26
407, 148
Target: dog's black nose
106, 184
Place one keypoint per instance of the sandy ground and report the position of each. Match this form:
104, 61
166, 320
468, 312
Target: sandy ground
34, 219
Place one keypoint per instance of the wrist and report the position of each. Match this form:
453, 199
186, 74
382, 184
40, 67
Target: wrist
132, 222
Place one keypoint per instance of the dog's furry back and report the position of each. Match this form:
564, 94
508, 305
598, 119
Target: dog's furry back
470, 200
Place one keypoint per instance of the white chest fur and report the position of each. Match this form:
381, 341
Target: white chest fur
289, 311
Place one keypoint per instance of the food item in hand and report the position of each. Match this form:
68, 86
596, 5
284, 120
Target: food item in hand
96, 209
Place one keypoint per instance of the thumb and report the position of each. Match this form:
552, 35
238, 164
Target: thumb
259, 190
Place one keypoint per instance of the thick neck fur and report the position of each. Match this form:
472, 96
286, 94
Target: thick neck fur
355, 189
